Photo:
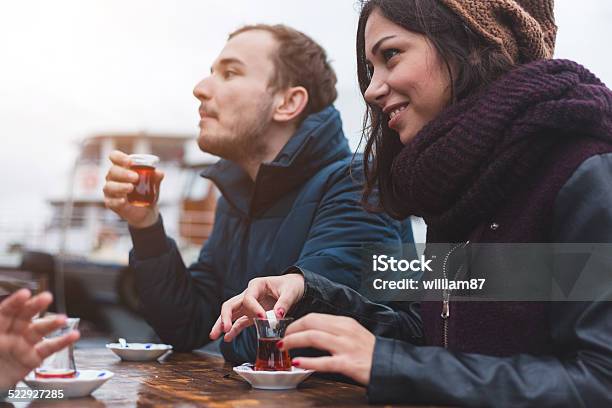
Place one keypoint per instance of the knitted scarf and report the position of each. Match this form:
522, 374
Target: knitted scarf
465, 163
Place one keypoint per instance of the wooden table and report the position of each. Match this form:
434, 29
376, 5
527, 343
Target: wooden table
189, 380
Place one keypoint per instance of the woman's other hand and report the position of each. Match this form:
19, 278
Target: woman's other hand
350, 344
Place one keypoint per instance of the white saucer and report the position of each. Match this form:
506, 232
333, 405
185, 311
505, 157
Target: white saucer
272, 380
85, 382
139, 351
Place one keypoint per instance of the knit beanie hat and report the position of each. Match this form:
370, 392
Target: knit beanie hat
524, 30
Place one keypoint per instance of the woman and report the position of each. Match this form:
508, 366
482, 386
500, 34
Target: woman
474, 128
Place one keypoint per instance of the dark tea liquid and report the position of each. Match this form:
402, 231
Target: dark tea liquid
269, 358
143, 194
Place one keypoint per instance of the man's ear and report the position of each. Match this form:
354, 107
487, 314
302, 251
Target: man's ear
292, 103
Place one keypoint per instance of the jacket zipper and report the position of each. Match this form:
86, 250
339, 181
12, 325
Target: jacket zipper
445, 315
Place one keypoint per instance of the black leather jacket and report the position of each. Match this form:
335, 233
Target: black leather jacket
576, 373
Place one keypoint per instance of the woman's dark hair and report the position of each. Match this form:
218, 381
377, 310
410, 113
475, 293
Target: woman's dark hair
471, 64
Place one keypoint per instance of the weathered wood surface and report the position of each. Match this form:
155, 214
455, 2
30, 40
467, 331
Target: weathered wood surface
190, 380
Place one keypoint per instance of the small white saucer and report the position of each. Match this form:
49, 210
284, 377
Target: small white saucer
272, 380
85, 382
139, 351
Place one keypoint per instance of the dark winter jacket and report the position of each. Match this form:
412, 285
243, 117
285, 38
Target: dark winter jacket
303, 209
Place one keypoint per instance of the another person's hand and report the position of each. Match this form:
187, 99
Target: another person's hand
22, 347
350, 344
276, 293
119, 183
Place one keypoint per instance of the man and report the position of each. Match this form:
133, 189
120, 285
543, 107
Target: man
288, 195
22, 347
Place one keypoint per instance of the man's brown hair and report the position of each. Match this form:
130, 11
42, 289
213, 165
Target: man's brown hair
299, 61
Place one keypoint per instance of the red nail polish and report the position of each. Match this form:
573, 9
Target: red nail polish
279, 344
260, 315
281, 312
295, 363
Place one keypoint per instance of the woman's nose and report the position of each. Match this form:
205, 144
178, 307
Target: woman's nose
376, 92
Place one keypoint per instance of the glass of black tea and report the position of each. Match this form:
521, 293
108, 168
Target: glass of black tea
269, 357
145, 190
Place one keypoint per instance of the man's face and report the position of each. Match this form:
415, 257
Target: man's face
236, 105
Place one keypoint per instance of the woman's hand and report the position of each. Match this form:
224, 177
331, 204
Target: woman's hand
350, 344
22, 347
278, 293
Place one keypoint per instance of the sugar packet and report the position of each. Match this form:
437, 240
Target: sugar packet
271, 316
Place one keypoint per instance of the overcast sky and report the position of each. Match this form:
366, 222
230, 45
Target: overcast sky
73, 68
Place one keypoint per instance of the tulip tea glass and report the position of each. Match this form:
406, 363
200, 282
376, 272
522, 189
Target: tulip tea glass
269, 357
60, 364
145, 190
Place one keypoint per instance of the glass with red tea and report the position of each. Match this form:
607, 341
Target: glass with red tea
60, 364
269, 357
145, 190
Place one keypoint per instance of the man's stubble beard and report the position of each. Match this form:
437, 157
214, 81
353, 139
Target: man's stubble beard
247, 142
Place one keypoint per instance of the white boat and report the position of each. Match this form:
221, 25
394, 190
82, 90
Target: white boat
84, 247
81, 227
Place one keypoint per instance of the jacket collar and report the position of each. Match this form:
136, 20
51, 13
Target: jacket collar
318, 142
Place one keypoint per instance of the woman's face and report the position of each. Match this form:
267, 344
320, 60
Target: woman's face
409, 82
